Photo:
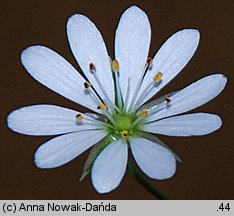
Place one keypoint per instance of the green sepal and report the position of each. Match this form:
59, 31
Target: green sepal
95, 151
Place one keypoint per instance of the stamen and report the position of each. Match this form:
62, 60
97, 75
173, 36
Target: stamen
115, 65
149, 63
157, 78
168, 101
160, 106
106, 99
115, 69
101, 106
96, 100
79, 118
143, 94
92, 67
87, 85
144, 113
89, 91
124, 133
83, 119
90, 120
156, 81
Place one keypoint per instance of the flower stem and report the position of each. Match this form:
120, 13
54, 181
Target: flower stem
149, 187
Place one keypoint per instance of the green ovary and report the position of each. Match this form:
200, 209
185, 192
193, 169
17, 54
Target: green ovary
123, 122
122, 126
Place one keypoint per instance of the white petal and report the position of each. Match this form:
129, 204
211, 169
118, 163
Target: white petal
132, 43
88, 47
109, 167
171, 58
46, 120
62, 149
196, 124
193, 96
154, 160
53, 71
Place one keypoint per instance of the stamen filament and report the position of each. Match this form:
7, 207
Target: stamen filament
158, 108
87, 120
143, 114
147, 65
143, 95
95, 122
108, 115
137, 121
127, 94
156, 80
118, 91
92, 95
106, 99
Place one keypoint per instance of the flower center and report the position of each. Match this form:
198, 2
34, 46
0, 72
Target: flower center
122, 125
122, 122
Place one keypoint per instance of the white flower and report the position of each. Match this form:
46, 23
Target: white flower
116, 91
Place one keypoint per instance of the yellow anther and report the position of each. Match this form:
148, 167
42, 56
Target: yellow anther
157, 78
79, 118
149, 62
124, 133
92, 67
101, 106
115, 65
87, 85
143, 113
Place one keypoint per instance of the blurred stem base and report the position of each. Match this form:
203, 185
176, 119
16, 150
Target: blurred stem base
140, 178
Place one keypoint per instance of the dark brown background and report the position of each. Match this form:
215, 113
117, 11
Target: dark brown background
207, 168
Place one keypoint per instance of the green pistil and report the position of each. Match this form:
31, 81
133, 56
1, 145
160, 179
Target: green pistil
122, 126
123, 122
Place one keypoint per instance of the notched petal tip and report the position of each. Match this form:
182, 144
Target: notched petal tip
32, 54
9, 120
74, 20
38, 160
41, 161
133, 8
74, 17
31, 48
220, 78
13, 121
194, 34
218, 122
25, 54
133, 11
38, 164
193, 31
102, 189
